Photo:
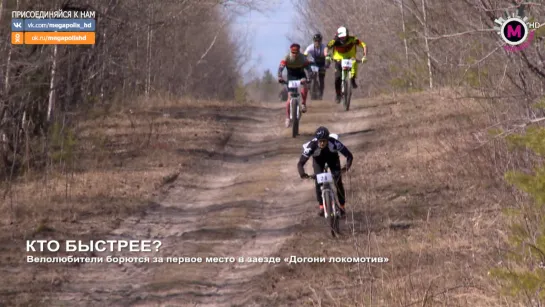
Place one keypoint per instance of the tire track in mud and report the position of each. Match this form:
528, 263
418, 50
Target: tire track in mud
245, 203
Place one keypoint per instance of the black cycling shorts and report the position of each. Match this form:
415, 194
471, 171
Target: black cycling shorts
296, 75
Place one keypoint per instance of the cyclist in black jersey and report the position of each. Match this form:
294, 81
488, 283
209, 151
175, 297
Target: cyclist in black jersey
325, 149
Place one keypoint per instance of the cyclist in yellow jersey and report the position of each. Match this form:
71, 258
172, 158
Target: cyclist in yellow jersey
344, 47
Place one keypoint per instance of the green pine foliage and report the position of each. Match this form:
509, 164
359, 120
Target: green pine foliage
522, 274
63, 144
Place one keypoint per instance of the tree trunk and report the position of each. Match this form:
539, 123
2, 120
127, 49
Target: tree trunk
3, 110
51, 103
103, 68
427, 43
402, 8
408, 68
2, 6
148, 49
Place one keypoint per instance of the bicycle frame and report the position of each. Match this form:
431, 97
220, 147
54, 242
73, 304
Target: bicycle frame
295, 105
293, 89
325, 181
346, 91
346, 66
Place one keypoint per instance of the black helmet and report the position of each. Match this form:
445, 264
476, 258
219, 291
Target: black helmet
317, 37
322, 133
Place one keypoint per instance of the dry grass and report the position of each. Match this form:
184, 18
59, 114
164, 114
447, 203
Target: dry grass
121, 159
124, 158
421, 195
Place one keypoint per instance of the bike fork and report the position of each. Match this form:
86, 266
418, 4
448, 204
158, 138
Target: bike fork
291, 109
326, 212
294, 102
345, 76
327, 192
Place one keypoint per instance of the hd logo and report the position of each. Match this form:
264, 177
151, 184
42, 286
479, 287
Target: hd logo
516, 31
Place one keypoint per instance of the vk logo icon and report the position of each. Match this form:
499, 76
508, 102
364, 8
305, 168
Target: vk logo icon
17, 25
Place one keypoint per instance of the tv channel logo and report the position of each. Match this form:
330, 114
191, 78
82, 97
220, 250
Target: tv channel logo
516, 32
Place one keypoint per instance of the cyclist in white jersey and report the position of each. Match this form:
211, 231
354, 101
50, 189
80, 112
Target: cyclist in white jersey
316, 56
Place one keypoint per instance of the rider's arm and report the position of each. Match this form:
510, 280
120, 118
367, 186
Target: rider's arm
363, 45
329, 45
345, 152
281, 68
307, 51
348, 156
308, 149
301, 165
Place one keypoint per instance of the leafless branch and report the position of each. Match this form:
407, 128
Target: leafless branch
460, 34
208, 49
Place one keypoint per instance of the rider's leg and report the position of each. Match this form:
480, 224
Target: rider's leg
304, 92
335, 165
340, 187
321, 77
318, 168
337, 177
287, 123
338, 76
354, 74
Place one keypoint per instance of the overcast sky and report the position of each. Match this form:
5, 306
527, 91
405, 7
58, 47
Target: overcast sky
268, 35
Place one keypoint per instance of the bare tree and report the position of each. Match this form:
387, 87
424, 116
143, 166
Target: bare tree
441, 43
426, 37
187, 50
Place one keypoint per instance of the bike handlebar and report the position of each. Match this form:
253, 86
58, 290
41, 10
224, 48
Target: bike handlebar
313, 176
286, 82
354, 59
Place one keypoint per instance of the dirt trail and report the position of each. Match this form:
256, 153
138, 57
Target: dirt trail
247, 202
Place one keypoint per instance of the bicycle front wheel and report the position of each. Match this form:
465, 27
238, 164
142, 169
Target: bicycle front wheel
335, 217
347, 92
328, 206
295, 117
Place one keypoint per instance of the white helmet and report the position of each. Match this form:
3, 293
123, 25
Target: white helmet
342, 32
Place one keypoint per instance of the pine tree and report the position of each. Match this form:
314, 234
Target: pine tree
523, 275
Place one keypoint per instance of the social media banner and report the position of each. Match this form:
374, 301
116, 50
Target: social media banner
53, 25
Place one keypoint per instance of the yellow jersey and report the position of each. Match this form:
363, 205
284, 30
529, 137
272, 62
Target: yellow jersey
346, 50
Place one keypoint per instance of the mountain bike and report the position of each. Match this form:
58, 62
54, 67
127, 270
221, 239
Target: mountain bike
332, 210
315, 88
346, 85
295, 105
